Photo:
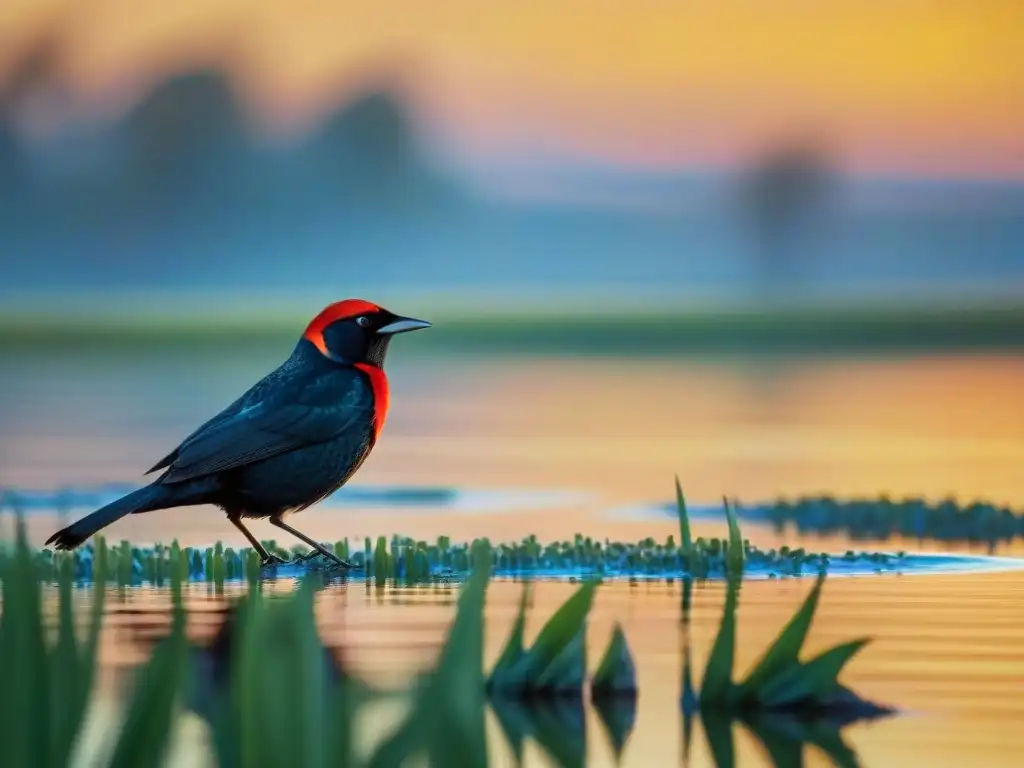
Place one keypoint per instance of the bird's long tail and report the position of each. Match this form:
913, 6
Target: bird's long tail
145, 499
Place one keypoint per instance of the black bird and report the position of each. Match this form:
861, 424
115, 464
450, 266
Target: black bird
294, 438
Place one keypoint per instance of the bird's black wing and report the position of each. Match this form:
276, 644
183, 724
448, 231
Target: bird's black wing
287, 376
254, 394
320, 411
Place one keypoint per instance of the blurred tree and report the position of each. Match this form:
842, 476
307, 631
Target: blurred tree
182, 146
784, 194
34, 71
368, 155
14, 169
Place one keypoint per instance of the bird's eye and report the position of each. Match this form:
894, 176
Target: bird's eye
363, 322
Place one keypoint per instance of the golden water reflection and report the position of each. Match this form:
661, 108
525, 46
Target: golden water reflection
754, 429
946, 651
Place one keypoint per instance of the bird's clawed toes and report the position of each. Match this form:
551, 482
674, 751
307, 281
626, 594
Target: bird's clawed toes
336, 563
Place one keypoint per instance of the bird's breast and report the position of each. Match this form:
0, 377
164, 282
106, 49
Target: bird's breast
381, 395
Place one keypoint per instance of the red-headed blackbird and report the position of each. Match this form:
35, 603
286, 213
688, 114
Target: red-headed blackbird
294, 438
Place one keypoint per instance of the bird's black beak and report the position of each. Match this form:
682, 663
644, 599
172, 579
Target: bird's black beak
402, 325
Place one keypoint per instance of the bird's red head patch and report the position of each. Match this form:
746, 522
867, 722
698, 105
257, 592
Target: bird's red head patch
339, 310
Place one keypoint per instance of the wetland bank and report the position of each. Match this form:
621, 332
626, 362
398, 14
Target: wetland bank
946, 645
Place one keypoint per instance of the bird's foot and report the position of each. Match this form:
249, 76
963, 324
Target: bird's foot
326, 555
335, 562
272, 560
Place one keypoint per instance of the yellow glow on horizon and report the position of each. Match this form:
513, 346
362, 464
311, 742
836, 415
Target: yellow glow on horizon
930, 84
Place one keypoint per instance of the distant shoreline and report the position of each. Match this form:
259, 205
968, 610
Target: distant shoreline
972, 326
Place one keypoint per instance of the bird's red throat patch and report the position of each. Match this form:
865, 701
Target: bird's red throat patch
339, 310
381, 395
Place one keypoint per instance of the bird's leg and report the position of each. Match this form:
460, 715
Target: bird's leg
265, 557
318, 547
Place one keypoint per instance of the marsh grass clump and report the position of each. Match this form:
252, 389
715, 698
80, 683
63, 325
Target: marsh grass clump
780, 680
272, 693
615, 676
883, 518
785, 702
782, 735
402, 560
555, 665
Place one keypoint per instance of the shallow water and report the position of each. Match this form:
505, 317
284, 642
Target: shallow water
610, 434
945, 651
751, 428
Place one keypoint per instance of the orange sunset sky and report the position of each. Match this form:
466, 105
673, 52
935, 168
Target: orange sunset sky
933, 88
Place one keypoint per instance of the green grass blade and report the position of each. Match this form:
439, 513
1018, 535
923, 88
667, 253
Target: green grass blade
616, 672
830, 741
717, 683
146, 733
308, 707
90, 649
403, 743
455, 696
448, 717
245, 689
567, 672
805, 682
718, 731
785, 651
26, 688
685, 537
784, 748
514, 646
512, 723
563, 626
734, 558
559, 728
65, 670
345, 701
617, 716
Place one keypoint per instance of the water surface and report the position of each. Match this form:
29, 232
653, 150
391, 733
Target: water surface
946, 647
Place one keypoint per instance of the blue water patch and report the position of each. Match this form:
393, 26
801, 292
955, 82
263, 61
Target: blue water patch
909, 564
453, 566
75, 500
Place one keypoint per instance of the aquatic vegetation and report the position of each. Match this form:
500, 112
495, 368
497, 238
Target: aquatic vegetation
884, 518
780, 680
557, 726
535, 692
271, 692
268, 692
447, 720
408, 561
783, 736
616, 673
47, 687
784, 701
555, 665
